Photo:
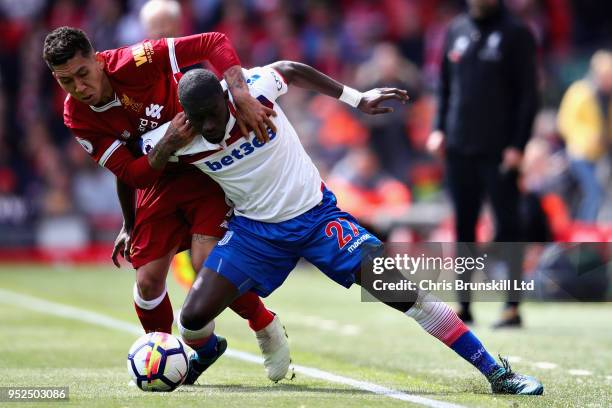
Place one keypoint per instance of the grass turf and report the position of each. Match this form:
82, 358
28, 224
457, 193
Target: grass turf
329, 329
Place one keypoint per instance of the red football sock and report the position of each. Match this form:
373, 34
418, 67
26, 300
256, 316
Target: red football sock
249, 306
158, 319
196, 344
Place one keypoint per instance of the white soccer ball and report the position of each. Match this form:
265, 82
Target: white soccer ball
157, 362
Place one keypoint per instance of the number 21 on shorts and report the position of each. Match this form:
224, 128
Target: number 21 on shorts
335, 228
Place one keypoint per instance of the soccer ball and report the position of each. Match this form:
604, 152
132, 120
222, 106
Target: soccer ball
157, 362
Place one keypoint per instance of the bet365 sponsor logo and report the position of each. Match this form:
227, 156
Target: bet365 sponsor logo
143, 53
238, 153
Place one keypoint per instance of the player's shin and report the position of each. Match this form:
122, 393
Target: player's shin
439, 320
207, 346
155, 315
210, 294
433, 315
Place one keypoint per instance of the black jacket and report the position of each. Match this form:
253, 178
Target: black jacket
487, 97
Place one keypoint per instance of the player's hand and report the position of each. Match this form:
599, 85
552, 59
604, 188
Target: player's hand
123, 244
372, 98
435, 143
251, 114
512, 159
179, 133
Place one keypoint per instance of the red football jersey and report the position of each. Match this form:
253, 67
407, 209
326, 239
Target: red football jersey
144, 77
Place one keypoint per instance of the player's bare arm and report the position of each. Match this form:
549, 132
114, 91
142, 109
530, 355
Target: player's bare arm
122, 246
178, 134
305, 76
251, 114
123, 242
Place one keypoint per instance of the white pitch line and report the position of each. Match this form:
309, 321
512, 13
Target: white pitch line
75, 313
545, 365
579, 372
320, 323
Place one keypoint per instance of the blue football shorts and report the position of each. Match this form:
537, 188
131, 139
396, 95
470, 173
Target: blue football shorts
259, 256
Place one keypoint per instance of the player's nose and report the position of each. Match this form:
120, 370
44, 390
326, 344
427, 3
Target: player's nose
80, 86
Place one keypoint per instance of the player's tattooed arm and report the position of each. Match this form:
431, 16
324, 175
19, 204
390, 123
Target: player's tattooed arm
179, 134
235, 80
203, 239
305, 76
251, 114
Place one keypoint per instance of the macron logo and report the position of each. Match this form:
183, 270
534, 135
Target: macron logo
238, 153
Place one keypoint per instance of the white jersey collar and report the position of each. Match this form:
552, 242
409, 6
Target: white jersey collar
114, 102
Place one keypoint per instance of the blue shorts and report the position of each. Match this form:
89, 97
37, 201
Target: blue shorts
259, 256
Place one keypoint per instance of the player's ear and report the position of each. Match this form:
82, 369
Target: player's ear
99, 61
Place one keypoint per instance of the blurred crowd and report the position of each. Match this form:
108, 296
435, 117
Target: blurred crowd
378, 166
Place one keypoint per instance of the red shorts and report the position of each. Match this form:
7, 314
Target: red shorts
182, 202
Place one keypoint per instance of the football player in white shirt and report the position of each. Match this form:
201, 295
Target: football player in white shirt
284, 212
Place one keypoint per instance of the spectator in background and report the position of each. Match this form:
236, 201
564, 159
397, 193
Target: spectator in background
585, 122
13, 208
487, 101
89, 180
336, 37
366, 190
161, 19
389, 139
103, 18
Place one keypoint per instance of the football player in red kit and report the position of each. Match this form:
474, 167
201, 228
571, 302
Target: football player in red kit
115, 96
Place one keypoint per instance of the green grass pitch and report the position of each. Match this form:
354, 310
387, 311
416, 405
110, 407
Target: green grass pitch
567, 346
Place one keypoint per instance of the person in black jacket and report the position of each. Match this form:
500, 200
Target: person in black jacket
487, 101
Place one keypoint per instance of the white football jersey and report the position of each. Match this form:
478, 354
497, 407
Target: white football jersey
270, 182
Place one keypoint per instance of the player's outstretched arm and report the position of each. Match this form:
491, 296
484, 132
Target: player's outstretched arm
307, 77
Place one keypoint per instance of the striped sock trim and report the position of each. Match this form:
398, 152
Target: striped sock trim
437, 318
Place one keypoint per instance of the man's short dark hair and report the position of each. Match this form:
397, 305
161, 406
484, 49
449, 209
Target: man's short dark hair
63, 43
196, 86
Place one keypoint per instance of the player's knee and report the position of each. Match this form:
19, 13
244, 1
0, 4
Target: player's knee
370, 251
150, 286
189, 318
197, 262
194, 316
201, 247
